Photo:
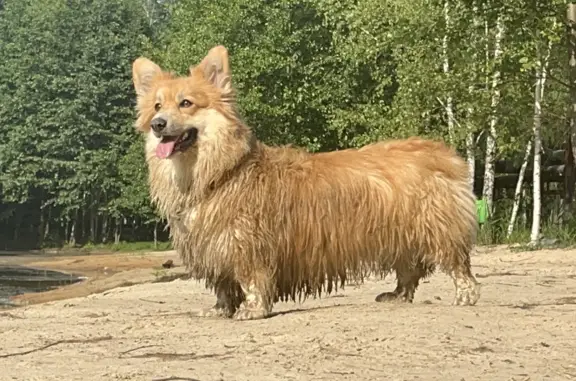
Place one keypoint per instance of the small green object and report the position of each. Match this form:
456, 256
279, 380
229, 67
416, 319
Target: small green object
481, 210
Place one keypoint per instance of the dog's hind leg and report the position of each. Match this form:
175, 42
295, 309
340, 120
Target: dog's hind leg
467, 287
258, 297
408, 279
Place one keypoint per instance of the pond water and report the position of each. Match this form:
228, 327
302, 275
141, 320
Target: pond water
15, 280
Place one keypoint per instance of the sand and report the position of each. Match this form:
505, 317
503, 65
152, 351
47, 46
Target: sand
523, 328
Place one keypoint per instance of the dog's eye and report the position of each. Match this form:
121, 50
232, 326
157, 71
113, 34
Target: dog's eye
157, 107
185, 103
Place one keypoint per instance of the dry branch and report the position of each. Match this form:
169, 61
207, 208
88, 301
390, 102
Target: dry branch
67, 341
137, 348
180, 356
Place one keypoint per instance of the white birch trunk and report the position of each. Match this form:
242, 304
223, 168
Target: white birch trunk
72, 237
156, 235
518, 191
117, 230
524, 214
446, 69
538, 97
488, 188
105, 228
470, 156
470, 144
486, 46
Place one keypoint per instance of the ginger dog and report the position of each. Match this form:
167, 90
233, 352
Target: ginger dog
261, 224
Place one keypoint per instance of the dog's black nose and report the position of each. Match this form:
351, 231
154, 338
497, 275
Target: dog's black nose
158, 124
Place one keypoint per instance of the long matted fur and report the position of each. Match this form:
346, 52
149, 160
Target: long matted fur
262, 224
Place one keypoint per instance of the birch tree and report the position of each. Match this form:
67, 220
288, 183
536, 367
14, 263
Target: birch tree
446, 69
518, 190
470, 128
534, 47
541, 71
489, 170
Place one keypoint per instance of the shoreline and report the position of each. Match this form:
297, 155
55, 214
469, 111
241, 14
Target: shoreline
101, 272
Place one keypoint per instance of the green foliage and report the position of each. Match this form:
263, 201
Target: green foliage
293, 86
66, 111
133, 183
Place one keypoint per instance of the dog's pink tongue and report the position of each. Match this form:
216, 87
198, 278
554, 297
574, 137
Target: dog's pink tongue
164, 149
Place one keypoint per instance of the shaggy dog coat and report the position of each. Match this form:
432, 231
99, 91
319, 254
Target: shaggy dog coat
261, 224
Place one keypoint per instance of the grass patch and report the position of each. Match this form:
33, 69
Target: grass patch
121, 247
552, 236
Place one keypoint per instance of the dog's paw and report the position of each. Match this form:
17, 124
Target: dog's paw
387, 297
250, 314
214, 312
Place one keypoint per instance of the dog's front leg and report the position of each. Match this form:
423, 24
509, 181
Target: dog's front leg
258, 289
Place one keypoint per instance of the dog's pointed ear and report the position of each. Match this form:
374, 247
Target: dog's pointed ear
143, 73
215, 68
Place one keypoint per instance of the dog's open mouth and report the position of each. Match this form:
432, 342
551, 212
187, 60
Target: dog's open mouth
169, 145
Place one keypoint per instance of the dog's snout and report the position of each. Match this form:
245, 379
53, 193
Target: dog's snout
158, 124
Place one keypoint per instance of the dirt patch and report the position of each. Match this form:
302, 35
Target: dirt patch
523, 328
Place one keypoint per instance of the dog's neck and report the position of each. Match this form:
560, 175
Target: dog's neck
181, 183
225, 145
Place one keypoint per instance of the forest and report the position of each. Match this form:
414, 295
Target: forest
496, 79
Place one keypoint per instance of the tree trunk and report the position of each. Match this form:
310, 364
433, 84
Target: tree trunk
117, 230
47, 227
82, 222
41, 228
471, 157
470, 143
93, 222
17, 224
569, 174
105, 228
570, 171
489, 171
156, 235
66, 226
446, 69
486, 45
538, 97
524, 214
72, 240
518, 191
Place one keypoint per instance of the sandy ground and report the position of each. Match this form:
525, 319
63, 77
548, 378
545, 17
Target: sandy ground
523, 328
